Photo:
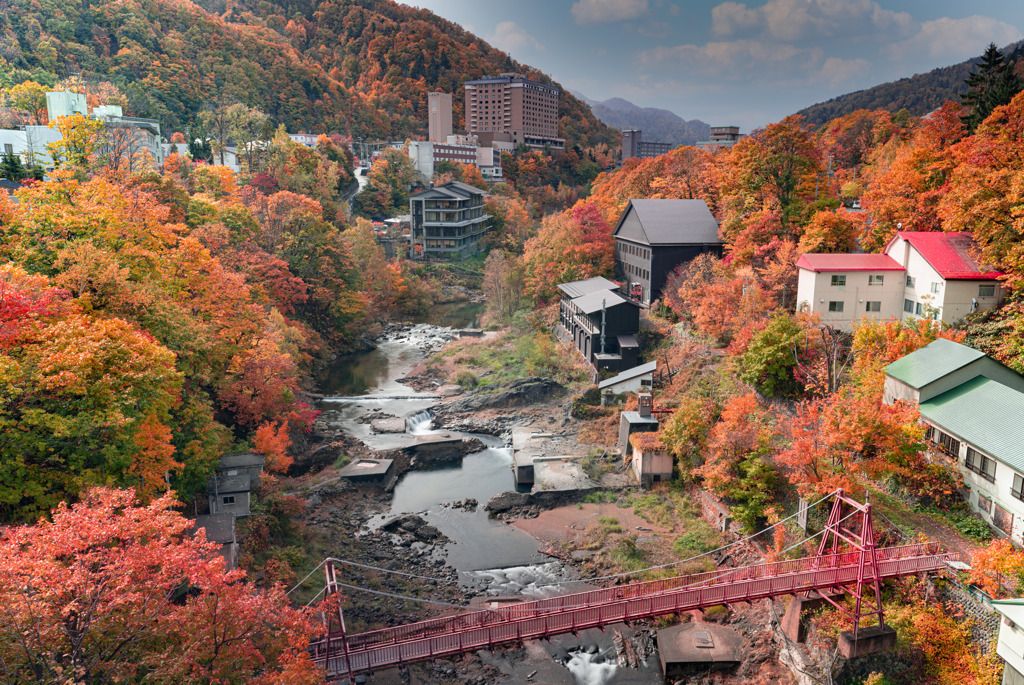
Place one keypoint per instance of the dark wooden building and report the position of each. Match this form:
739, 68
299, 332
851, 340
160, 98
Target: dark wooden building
601, 322
653, 237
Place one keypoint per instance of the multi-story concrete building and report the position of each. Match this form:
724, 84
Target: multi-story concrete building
439, 116
513, 104
426, 154
447, 221
926, 274
721, 137
633, 145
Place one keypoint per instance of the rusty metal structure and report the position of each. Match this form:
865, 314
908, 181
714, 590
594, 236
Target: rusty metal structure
848, 561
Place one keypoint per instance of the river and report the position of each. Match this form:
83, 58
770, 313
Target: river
493, 558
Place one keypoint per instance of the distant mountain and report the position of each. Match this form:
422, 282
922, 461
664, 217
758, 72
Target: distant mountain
918, 94
658, 125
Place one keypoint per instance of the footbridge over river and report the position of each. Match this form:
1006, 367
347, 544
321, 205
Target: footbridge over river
848, 562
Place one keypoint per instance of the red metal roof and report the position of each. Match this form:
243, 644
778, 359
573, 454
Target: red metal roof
848, 262
949, 254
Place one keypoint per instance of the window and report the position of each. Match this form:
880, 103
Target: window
911, 281
986, 291
936, 288
917, 308
908, 306
1018, 487
984, 504
835, 306
839, 280
229, 499
950, 445
8, 149
981, 465
872, 306
874, 279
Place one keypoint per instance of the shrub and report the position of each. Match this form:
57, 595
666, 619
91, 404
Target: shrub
466, 379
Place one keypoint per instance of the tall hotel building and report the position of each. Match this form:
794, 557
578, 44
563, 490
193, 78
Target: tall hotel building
512, 108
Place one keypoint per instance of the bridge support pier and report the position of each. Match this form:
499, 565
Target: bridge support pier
792, 624
868, 641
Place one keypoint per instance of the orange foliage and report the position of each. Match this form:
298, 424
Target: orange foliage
998, 569
272, 441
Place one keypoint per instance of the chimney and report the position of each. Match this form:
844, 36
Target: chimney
646, 404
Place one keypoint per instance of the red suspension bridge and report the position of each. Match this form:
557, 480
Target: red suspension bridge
848, 561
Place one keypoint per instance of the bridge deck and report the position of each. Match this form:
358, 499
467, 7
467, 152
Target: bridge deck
569, 613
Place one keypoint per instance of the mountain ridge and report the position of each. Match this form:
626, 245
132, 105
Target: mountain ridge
658, 125
918, 94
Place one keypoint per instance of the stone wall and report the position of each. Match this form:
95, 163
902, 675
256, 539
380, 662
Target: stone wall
986, 619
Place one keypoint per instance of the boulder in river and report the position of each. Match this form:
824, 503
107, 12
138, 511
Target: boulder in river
504, 501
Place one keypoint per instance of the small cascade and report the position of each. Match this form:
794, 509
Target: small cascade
590, 669
420, 423
537, 581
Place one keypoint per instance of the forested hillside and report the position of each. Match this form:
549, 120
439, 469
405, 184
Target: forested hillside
359, 67
918, 94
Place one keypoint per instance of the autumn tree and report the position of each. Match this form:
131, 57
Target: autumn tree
736, 451
571, 246
832, 231
28, 97
387, 186
78, 143
998, 569
109, 589
503, 283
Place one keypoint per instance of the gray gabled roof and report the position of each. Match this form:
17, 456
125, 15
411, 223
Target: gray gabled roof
641, 370
587, 286
985, 414
241, 460
935, 360
674, 222
456, 190
592, 302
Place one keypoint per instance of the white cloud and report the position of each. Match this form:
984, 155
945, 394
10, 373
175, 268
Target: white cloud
792, 20
511, 37
603, 11
955, 39
732, 17
732, 58
836, 71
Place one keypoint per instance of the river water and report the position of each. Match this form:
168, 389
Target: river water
492, 558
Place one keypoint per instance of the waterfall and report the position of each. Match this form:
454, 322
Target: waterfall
590, 669
420, 423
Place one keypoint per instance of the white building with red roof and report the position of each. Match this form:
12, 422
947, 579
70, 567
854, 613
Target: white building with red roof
920, 274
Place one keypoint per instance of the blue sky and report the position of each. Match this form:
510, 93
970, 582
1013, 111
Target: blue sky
734, 63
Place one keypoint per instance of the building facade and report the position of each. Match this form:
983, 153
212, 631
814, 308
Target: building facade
721, 137
447, 222
920, 274
653, 237
513, 104
633, 145
601, 323
439, 116
971, 407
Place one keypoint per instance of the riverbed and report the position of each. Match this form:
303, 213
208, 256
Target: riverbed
493, 559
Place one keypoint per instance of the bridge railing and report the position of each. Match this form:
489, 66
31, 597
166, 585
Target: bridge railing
492, 617
761, 583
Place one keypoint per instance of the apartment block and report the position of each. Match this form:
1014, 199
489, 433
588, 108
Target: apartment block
514, 105
633, 145
447, 221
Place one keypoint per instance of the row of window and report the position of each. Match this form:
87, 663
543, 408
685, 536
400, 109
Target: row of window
639, 273
869, 306
873, 279
839, 280
635, 250
975, 461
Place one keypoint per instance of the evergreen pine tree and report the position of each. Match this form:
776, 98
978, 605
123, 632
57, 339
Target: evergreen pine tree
992, 85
